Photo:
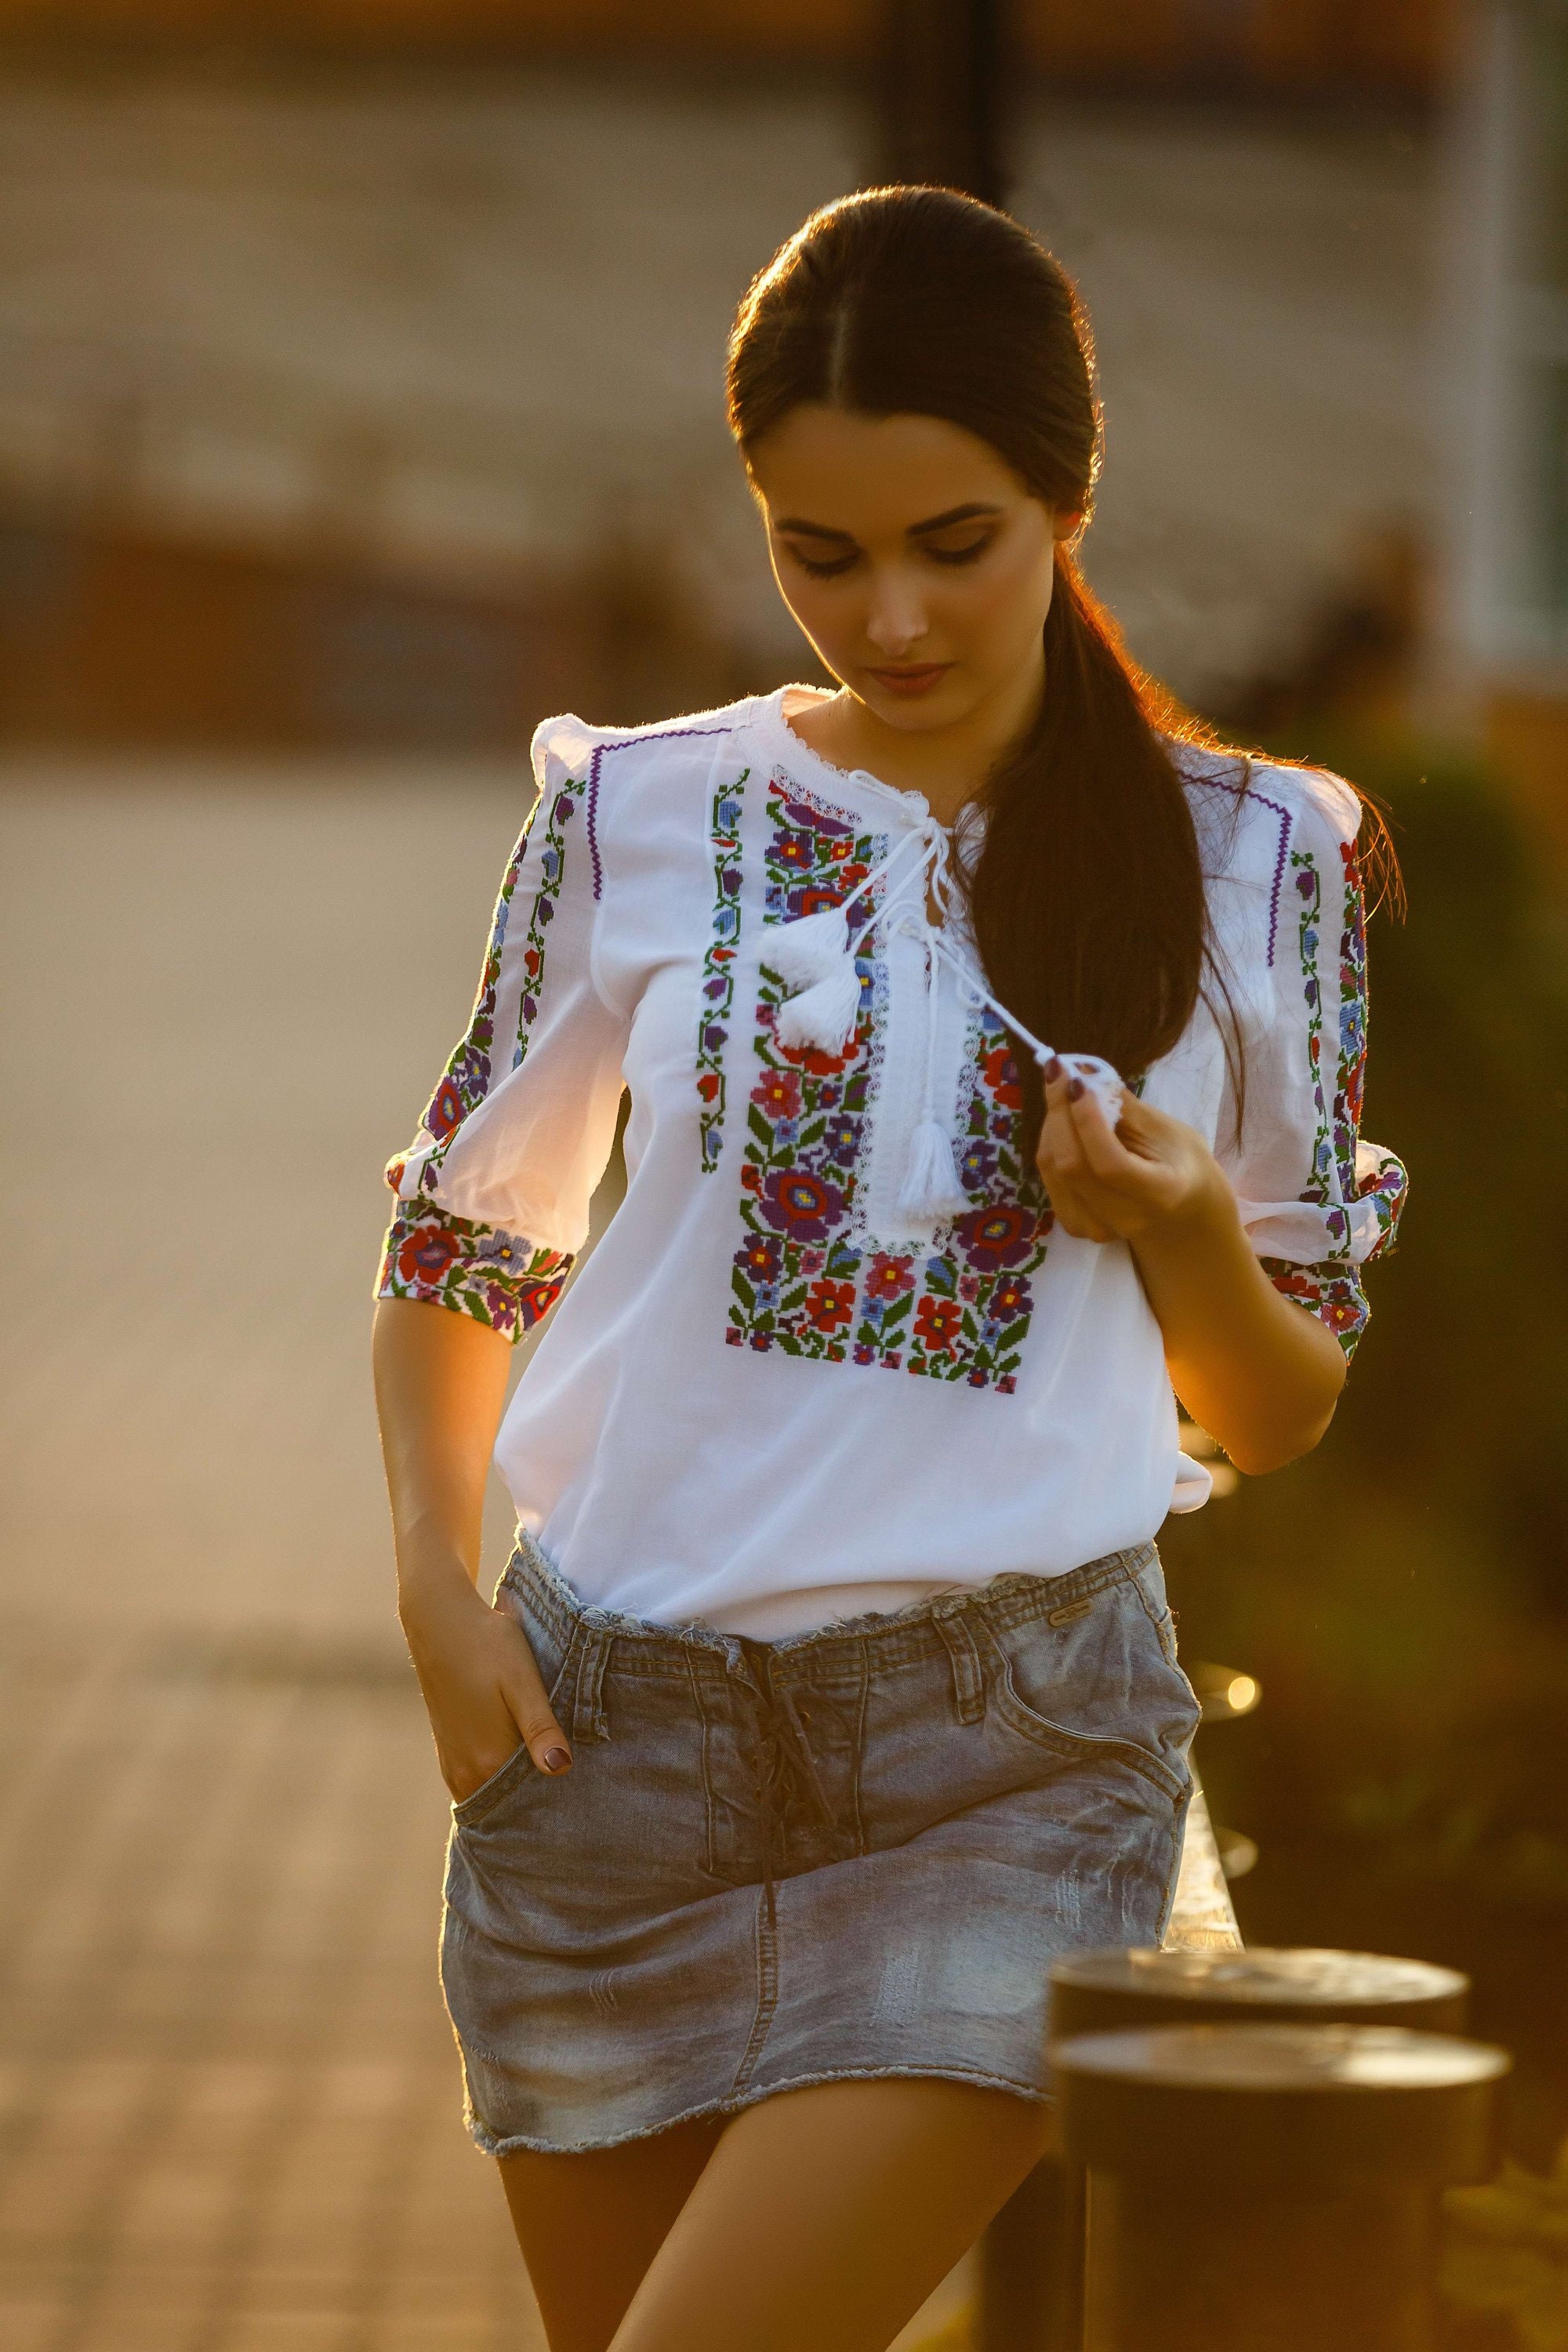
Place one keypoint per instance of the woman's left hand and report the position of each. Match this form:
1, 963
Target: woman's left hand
1120, 1183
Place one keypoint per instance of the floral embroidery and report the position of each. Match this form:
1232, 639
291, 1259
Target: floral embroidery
551, 867
794, 1278
465, 1081
1308, 889
718, 967
462, 1084
446, 1261
806, 1278
1385, 1189
1350, 1076
961, 1312
1332, 1289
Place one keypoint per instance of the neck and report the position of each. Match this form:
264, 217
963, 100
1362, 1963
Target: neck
948, 764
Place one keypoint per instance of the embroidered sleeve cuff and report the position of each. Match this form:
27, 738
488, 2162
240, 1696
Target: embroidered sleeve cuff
478, 1270
1332, 1291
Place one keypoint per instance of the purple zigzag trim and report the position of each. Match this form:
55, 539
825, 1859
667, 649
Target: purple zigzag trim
666, 735
1218, 785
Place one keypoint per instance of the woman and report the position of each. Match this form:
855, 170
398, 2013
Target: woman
832, 1691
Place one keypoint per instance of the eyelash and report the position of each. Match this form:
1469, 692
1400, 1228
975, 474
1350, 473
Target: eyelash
951, 556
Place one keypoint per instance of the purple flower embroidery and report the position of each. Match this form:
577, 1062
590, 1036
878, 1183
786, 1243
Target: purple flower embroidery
800, 1205
977, 1167
1003, 1234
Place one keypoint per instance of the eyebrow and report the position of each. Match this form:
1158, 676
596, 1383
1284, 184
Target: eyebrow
801, 528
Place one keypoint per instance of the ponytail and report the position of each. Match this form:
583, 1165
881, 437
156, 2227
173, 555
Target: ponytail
1088, 897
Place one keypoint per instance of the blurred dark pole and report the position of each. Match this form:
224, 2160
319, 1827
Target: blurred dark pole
939, 95
1271, 2187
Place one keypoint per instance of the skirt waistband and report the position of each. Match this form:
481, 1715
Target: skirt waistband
901, 1637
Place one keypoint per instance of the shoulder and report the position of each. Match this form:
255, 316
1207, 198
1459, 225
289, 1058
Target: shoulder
572, 746
1274, 839
1245, 806
643, 790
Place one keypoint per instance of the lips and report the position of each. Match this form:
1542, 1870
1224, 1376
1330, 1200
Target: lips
914, 678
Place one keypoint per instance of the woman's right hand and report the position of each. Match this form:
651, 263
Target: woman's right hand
440, 1381
483, 1690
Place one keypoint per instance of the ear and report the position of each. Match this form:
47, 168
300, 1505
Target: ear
1066, 523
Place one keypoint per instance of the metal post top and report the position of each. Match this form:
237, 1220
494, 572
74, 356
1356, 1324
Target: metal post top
1302, 2058
1297, 1979
1256, 2107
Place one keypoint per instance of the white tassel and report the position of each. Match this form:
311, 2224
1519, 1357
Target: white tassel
1101, 1081
931, 1189
822, 1016
809, 949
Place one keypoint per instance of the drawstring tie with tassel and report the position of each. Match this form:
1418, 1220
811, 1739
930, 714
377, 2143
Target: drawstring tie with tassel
815, 955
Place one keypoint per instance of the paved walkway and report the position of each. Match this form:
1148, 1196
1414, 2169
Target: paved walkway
229, 2098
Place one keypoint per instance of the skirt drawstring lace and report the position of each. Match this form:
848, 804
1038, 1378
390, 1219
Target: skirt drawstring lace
786, 1771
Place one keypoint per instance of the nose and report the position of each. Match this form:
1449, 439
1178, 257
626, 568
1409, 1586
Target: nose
896, 619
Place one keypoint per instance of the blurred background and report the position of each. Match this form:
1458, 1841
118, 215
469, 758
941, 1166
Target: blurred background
360, 405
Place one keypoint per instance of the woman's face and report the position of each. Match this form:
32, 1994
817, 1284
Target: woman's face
916, 560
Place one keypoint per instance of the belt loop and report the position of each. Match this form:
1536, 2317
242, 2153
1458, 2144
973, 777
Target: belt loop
589, 1720
968, 1681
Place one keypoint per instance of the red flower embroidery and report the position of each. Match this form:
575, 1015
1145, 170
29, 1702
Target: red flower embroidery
937, 1322
446, 1111
427, 1253
1002, 1077
815, 1062
998, 1236
830, 1305
889, 1277
779, 1094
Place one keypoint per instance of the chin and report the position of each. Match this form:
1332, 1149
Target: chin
919, 714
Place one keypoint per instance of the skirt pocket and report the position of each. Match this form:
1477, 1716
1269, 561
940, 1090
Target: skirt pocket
1099, 1686
467, 1810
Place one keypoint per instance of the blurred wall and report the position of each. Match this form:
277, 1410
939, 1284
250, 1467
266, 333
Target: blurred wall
1282, 46
432, 366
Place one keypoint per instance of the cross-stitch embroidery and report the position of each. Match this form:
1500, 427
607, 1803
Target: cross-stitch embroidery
446, 1261
719, 966
806, 1277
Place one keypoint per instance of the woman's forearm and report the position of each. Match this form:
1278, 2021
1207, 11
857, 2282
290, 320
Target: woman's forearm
440, 1384
1260, 1374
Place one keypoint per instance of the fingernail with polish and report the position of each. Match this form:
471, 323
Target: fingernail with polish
557, 1759
1075, 1090
1053, 1069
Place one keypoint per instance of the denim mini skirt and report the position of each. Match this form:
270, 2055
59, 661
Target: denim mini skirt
855, 1853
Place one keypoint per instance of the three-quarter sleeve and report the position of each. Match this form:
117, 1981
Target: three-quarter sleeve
1318, 1203
493, 1193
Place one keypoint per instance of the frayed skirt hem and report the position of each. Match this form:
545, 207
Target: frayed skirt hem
517, 2143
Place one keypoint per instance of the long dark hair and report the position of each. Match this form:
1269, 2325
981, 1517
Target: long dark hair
1088, 895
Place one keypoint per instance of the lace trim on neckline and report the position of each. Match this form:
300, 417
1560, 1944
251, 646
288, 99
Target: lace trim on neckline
914, 805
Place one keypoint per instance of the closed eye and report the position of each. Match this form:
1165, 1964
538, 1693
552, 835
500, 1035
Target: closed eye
828, 570
968, 555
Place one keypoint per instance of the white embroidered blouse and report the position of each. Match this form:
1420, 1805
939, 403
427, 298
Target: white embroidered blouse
792, 1382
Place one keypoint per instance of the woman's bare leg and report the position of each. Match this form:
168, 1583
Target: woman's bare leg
590, 2225
825, 2217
